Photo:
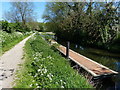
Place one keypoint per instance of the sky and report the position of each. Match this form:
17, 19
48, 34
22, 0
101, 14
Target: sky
39, 8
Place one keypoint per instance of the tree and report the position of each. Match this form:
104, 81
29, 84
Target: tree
20, 12
90, 23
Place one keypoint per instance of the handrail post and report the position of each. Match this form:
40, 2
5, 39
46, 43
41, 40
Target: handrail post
67, 49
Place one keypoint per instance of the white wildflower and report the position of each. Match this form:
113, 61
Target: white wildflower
39, 70
45, 71
49, 77
49, 57
33, 81
62, 86
36, 84
30, 85
35, 75
64, 82
61, 80
56, 82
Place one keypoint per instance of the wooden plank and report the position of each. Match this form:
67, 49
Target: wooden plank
78, 63
94, 68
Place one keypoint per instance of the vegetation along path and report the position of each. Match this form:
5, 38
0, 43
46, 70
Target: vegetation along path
9, 64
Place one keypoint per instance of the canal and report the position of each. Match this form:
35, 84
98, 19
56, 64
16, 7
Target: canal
111, 60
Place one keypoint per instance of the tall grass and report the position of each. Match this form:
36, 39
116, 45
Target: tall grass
45, 68
8, 40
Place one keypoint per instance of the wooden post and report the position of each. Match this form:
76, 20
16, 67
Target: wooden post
67, 49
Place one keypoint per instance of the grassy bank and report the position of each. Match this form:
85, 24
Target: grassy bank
8, 40
45, 68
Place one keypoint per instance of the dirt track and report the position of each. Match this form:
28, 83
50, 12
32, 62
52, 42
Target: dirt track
9, 64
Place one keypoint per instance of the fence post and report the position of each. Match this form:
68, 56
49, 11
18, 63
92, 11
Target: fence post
67, 49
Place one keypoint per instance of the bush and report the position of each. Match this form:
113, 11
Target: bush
5, 26
10, 39
12, 27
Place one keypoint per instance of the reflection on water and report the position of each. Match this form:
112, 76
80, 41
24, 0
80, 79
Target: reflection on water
103, 57
110, 60
117, 66
100, 56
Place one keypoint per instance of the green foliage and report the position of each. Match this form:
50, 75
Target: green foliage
88, 23
13, 27
45, 68
8, 40
41, 27
115, 46
18, 27
5, 26
36, 26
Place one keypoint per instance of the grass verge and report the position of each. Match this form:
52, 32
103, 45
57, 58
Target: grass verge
9, 40
45, 68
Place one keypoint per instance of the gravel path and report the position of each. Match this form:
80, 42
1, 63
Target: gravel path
9, 64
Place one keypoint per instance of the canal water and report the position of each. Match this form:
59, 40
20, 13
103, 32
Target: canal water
111, 60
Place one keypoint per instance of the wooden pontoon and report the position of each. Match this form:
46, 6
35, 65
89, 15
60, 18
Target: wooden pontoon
95, 69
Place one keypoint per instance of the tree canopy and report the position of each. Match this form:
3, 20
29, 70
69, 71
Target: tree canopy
88, 23
22, 16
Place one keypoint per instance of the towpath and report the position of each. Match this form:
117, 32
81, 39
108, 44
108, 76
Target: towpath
9, 64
